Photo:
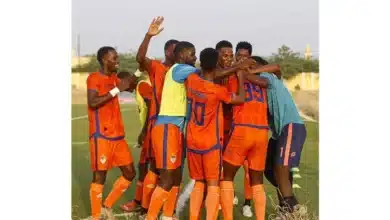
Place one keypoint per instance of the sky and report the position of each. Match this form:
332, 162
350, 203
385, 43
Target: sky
266, 24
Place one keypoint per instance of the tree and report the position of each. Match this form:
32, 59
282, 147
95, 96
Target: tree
291, 63
127, 62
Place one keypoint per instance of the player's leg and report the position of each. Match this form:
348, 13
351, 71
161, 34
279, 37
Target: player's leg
246, 208
289, 149
212, 170
150, 183
167, 145
195, 167
227, 189
122, 158
233, 157
135, 204
256, 164
99, 165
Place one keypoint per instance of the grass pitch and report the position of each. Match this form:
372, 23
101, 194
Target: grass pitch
82, 175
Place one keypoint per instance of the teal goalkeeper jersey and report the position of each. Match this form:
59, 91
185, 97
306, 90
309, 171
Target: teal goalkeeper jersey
281, 105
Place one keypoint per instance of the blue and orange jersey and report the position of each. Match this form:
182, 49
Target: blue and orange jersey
105, 121
253, 112
156, 72
205, 123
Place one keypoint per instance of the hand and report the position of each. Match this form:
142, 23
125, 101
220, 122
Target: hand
247, 63
154, 27
241, 74
124, 84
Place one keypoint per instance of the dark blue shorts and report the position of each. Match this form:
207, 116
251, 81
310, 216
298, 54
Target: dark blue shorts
287, 149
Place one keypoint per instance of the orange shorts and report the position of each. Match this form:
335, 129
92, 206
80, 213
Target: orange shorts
205, 166
167, 144
146, 151
247, 143
106, 154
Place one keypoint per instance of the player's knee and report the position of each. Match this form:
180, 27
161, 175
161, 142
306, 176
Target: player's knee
166, 180
128, 172
99, 177
255, 177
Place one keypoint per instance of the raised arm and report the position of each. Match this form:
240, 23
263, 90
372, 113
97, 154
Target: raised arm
260, 81
271, 68
240, 97
154, 29
220, 73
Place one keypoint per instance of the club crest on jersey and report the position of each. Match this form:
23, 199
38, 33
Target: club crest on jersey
103, 159
173, 158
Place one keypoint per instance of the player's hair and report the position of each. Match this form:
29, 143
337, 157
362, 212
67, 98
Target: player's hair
122, 75
259, 60
169, 43
222, 44
182, 45
208, 59
244, 45
103, 51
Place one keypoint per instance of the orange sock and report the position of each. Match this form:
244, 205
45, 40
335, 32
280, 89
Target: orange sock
170, 204
148, 188
159, 197
96, 194
259, 199
120, 186
138, 191
227, 196
196, 200
212, 202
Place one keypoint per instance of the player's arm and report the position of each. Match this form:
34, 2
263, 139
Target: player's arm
271, 68
260, 81
239, 98
220, 73
93, 98
154, 29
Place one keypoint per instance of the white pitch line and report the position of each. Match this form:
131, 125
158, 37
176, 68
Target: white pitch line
86, 116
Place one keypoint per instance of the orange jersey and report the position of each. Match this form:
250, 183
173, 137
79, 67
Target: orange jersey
156, 72
253, 112
105, 121
205, 124
227, 111
146, 91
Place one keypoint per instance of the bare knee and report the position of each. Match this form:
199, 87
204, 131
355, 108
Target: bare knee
128, 172
99, 177
212, 182
255, 177
229, 171
166, 179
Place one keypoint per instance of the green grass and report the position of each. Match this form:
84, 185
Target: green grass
82, 175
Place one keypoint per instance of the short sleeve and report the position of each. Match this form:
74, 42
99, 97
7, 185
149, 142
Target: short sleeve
223, 94
201, 85
153, 68
182, 71
145, 90
93, 82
